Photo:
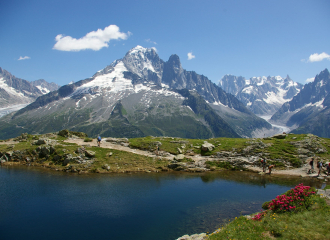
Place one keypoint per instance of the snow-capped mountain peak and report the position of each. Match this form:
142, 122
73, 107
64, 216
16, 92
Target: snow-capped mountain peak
263, 95
143, 62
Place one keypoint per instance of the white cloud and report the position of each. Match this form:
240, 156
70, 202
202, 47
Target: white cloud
94, 40
190, 55
23, 58
308, 80
318, 57
149, 41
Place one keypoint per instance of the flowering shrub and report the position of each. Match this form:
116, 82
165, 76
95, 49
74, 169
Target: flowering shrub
259, 216
296, 199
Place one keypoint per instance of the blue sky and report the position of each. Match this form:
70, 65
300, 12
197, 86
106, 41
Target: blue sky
59, 41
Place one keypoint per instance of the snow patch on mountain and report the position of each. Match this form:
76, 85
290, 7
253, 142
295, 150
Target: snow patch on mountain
275, 98
10, 90
262, 95
43, 89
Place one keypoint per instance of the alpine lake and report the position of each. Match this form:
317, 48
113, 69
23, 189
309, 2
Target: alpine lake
44, 204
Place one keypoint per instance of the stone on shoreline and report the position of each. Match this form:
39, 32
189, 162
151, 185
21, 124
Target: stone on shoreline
201, 236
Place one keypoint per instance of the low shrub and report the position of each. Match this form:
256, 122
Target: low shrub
294, 200
88, 139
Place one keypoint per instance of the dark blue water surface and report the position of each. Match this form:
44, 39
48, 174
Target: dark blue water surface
39, 204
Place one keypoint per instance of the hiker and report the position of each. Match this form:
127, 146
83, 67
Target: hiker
157, 151
263, 162
312, 165
270, 168
99, 141
319, 166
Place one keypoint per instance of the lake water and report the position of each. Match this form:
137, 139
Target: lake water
42, 204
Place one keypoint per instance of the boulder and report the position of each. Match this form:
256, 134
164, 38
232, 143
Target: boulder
179, 157
106, 167
279, 136
177, 166
40, 142
44, 151
89, 153
206, 147
68, 159
80, 150
43, 141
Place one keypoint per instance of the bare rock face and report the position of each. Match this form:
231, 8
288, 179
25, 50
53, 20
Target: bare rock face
206, 147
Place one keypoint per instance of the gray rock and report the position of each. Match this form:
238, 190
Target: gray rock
179, 157
40, 142
207, 147
44, 151
9, 154
177, 166
89, 154
279, 136
80, 150
68, 159
201, 236
179, 150
106, 167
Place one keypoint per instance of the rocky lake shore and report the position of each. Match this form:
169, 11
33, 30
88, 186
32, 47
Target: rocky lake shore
75, 152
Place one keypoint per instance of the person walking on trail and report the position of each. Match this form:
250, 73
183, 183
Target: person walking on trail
319, 166
312, 165
99, 141
263, 162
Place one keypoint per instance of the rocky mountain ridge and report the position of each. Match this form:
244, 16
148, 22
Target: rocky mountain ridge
16, 93
309, 110
262, 95
140, 95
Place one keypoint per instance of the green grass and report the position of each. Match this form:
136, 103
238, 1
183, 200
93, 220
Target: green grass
172, 144
309, 224
121, 161
278, 152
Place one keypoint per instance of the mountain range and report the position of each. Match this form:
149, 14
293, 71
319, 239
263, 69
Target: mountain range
139, 95
16, 93
262, 95
309, 110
